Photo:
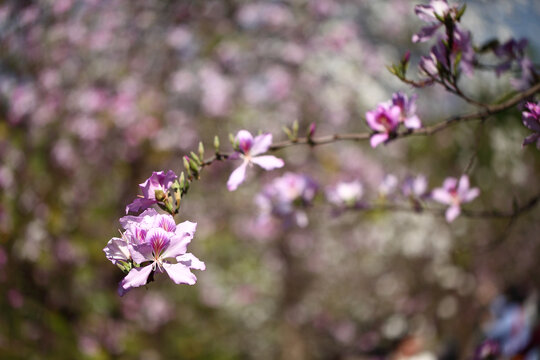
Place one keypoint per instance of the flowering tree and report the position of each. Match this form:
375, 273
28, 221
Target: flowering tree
320, 253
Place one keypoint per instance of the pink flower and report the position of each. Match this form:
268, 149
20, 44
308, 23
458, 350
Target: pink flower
154, 243
408, 110
415, 187
454, 193
249, 148
159, 181
284, 195
384, 121
345, 194
432, 13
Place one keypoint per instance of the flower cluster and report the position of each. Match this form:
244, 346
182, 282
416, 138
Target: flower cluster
153, 243
452, 48
531, 119
454, 192
387, 117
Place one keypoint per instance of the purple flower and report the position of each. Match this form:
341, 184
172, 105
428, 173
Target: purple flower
531, 119
384, 121
509, 51
408, 110
415, 187
153, 242
462, 49
528, 75
430, 14
283, 197
453, 193
345, 194
249, 148
159, 181
388, 185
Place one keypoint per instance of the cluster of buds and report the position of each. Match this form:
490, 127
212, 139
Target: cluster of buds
163, 189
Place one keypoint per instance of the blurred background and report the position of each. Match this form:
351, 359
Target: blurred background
95, 95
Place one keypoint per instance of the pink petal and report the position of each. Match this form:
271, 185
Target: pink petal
191, 261
268, 162
442, 196
425, 12
179, 242
261, 144
166, 222
245, 140
463, 185
450, 183
371, 119
237, 177
135, 278
141, 253
378, 139
139, 204
180, 273
413, 122
124, 221
117, 250
471, 195
452, 213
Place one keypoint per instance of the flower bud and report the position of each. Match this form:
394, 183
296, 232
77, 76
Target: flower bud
201, 150
160, 195
216, 143
311, 130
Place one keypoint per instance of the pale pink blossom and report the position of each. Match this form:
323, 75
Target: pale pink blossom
249, 150
453, 193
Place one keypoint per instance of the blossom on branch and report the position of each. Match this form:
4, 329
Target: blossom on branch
384, 120
153, 243
249, 150
437, 9
531, 119
408, 110
346, 194
415, 187
454, 192
437, 14
154, 190
285, 196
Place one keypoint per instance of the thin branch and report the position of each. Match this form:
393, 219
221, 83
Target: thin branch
429, 130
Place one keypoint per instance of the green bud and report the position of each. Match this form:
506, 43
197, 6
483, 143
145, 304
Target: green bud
186, 165
160, 195
295, 128
216, 143
182, 180
288, 132
201, 150
193, 164
195, 158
